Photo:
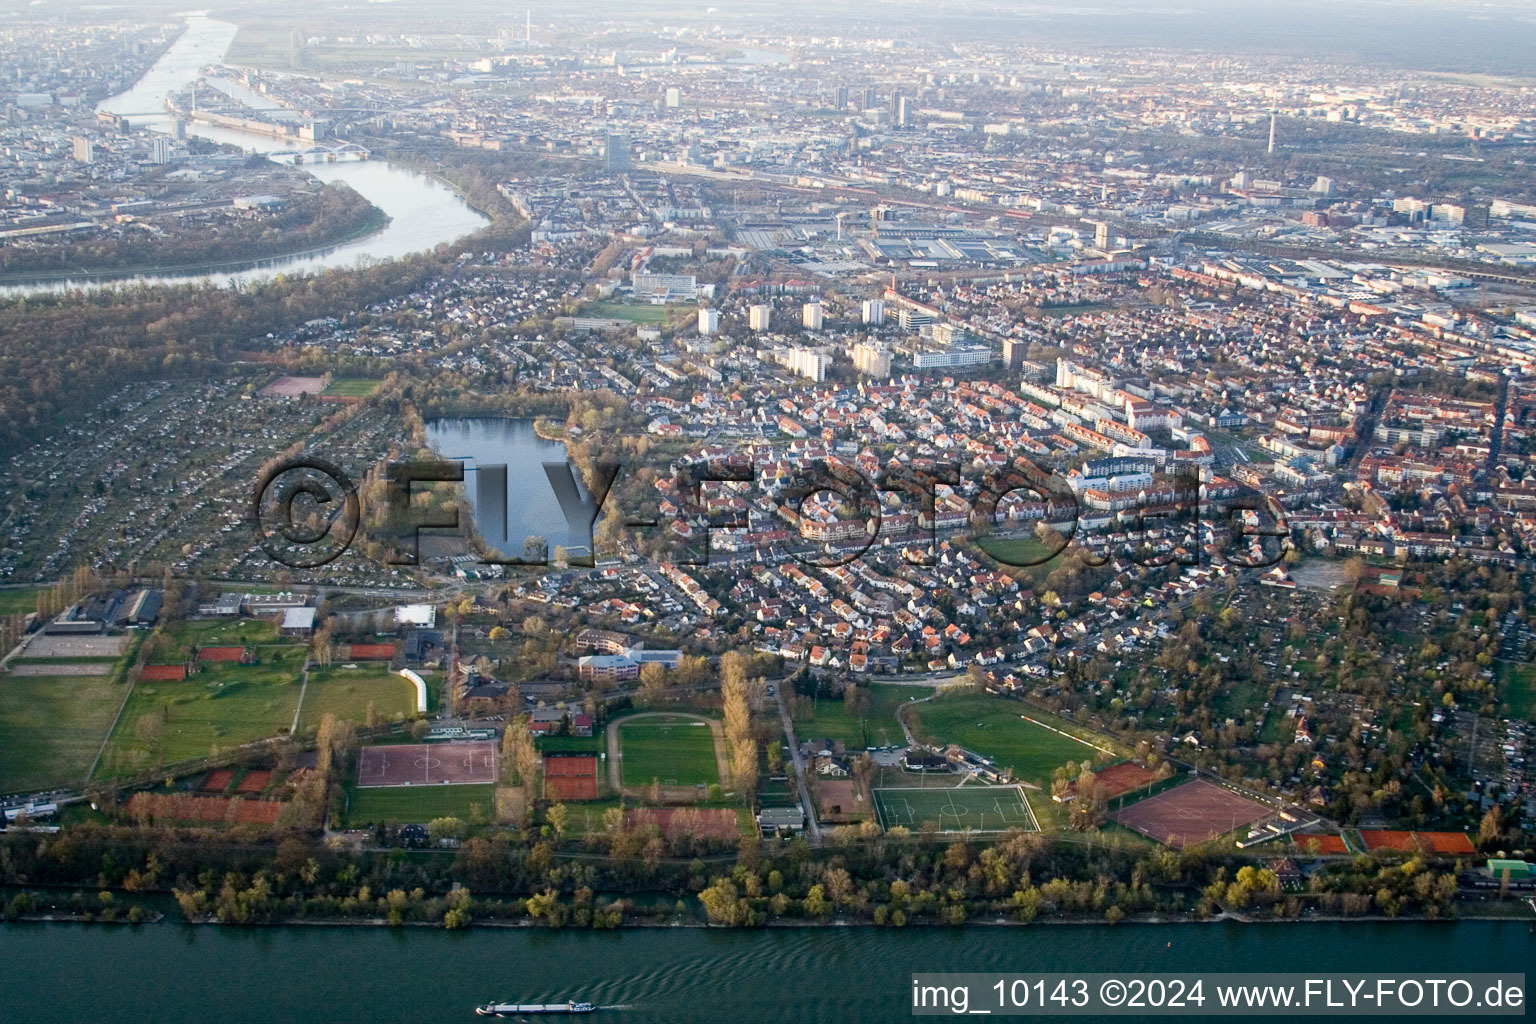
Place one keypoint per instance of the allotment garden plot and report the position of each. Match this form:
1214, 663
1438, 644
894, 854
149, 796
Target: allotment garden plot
956, 808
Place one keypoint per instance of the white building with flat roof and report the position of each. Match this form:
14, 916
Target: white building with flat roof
423, 616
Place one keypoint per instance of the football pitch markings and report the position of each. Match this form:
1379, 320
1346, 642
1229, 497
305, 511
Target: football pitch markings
993, 809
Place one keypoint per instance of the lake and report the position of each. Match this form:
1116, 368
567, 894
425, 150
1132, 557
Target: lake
531, 506
173, 974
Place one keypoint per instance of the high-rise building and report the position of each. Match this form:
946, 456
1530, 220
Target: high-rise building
1013, 352
872, 360
810, 315
1414, 209
807, 362
160, 150
873, 311
912, 321
1101, 236
616, 153
903, 113
659, 288
758, 316
709, 321
842, 97
1448, 213
84, 150
870, 98
674, 96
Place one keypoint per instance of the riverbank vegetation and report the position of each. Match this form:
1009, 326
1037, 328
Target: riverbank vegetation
247, 875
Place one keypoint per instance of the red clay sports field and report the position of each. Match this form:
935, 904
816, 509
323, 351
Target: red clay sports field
1191, 813
427, 764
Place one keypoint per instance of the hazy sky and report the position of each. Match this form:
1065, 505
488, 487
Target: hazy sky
1440, 35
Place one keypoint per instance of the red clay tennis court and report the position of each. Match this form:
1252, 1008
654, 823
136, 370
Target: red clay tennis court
218, 780
1387, 839
370, 652
254, 782
1121, 778
1445, 842
427, 764
162, 673
1325, 845
220, 653
1442, 843
1191, 813
570, 776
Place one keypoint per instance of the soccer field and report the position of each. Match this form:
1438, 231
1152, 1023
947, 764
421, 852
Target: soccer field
418, 803
1030, 742
972, 808
671, 749
347, 692
351, 387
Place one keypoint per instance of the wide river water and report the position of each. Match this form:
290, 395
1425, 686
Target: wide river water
170, 974
423, 212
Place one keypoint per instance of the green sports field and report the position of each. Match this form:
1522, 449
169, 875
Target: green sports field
184, 636
347, 692
997, 728
18, 600
417, 803
956, 809
633, 312
571, 744
829, 718
676, 750
1019, 551
351, 387
52, 726
225, 704
1518, 683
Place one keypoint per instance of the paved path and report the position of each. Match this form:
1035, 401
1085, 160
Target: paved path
901, 719
812, 825
616, 751
293, 730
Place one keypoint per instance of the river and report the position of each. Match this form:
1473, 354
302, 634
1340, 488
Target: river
173, 974
423, 212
